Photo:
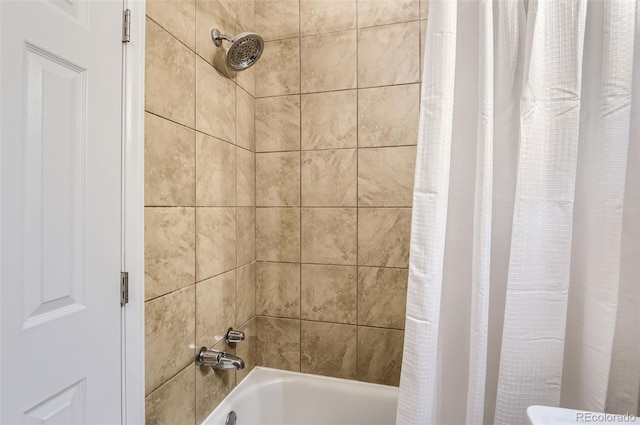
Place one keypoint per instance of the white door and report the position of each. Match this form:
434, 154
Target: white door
60, 223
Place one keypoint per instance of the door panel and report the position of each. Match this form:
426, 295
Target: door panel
61, 84
64, 408
53, 197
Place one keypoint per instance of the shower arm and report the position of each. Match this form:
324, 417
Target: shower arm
217, 37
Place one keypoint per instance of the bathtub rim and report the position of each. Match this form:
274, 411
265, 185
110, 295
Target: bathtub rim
265, 376
283, 374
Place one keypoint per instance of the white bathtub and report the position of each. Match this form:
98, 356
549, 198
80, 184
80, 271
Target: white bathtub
275, 397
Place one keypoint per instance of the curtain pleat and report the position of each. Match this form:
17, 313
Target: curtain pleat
623, 393
454, 343
599, 211
510, 41
483, 201
537, 287
417, 401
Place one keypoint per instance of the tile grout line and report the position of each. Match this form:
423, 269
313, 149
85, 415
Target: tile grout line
300, 180
197, 281
172, 377
255, 215
194, 129
255, 211
322, 264
356, 28
235, 313
357, 282
307, 93
195, 221
255, 224
171, 34
337, 148
271, 316
319, 207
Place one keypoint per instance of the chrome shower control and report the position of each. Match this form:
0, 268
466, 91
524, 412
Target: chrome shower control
218, 359
244, 51
232, 336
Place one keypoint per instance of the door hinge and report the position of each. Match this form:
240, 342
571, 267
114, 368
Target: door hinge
124, 288
126, 26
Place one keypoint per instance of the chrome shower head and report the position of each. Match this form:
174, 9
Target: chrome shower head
244, 51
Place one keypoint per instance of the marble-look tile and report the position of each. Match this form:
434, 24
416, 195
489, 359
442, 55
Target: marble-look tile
247, 77
231, 6
169, 76
169, 336
278, 234
380, 355
211, 14
328, 62
278, 179
278, 70
329, 120
215, 172
329, 235
216, 103
245, 120
169, 254
389, 55
383, 236
388, 116
324, 16
385, 176
382, 297
245, 15
329, 293
169, 158
279, 343
215, 241
215, 308
176, 16
381, 12
328, 349
247, 351
212, 386
424, 9
246, 293
278, 289
278, 123
277, 19
246, 178
246, 235
174, 402
329, 178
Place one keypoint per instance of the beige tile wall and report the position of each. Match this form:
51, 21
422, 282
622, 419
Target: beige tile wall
305, 163
200, 205
336, 113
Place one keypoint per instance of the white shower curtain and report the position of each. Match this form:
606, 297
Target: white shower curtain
524, 280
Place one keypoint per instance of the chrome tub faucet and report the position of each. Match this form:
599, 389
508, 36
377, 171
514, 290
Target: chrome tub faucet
218, 359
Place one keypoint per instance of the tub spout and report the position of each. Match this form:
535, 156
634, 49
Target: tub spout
218, 359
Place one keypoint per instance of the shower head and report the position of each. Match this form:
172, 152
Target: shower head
244, 51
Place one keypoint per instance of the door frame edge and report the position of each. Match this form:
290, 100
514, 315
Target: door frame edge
133, 339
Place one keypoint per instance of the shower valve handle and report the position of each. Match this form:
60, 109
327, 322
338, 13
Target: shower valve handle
232, 336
